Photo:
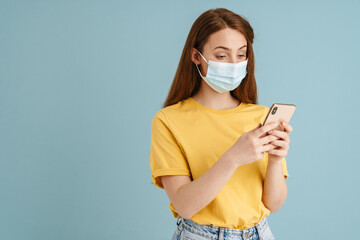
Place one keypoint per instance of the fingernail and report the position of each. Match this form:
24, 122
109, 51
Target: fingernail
284, 124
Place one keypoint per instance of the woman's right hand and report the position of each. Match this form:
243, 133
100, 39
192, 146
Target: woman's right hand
251, 146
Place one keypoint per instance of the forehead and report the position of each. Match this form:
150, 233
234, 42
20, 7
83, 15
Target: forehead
227, 37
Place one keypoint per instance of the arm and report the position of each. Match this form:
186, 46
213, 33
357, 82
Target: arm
188, 197
275, 189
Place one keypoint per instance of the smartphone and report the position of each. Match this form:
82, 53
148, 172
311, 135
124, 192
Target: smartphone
278, 113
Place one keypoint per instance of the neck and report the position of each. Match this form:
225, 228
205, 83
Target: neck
213, 99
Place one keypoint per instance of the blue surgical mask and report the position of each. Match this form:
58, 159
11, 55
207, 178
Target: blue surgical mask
224, 77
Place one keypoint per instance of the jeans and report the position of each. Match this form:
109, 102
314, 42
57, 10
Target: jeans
190, 230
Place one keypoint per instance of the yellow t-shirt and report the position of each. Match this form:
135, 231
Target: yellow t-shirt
187, 138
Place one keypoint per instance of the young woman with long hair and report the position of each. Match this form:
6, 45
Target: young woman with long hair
223, 172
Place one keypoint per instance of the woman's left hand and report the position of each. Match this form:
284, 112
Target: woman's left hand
282, 143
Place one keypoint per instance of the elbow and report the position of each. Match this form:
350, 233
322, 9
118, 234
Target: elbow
185, 213
273, 206
184, 210
274, 209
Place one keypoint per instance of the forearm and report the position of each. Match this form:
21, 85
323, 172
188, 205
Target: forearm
194, 196
275, 189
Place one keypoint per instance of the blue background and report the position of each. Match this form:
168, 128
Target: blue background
80, 82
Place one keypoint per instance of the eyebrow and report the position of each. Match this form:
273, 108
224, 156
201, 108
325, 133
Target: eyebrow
225, 48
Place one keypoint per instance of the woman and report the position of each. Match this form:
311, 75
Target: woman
223, 172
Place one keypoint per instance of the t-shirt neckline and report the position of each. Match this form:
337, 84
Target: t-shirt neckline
217, 111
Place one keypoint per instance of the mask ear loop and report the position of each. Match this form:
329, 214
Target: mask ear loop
199, 71
197, 65
202, 56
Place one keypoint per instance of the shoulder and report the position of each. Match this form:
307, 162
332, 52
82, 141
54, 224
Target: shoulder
171, 120
256, 108
256, 112
174, 111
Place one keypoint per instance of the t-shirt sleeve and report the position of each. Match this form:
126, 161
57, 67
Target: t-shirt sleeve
284, 166
166, 156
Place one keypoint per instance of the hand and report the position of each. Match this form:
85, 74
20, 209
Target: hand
281, 143
252, 145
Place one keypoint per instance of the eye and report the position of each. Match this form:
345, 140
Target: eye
220, 57
241, 56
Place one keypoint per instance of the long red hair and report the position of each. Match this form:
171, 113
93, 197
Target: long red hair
187, 80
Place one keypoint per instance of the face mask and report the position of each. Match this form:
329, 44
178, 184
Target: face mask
224, 77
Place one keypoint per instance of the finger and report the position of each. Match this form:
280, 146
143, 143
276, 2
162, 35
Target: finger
267, 139
280, 152
280, 134
266, 148
280, 143
287, 127
257, 127
264, 129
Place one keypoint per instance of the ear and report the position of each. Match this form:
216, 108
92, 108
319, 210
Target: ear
195, 56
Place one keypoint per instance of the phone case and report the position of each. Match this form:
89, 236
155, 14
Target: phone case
280, 112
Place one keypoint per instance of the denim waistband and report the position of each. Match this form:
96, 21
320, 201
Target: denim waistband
213, 232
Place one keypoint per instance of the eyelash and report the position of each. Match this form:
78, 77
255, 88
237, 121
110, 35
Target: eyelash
221, 57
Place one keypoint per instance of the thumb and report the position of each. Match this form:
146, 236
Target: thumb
257, 127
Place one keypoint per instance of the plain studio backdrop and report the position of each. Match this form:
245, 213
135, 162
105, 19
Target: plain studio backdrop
80, 82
